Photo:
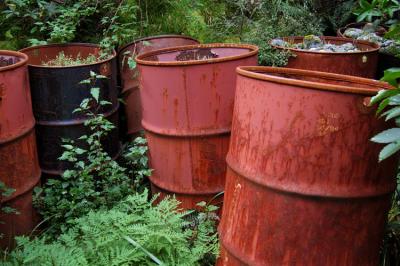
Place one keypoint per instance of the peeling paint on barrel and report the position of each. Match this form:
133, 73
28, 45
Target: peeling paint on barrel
19, 167
361, 64
303, 185
130, 79
187, 112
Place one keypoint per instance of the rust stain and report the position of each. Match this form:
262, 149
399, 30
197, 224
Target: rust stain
165, 99
327, 124
2, 91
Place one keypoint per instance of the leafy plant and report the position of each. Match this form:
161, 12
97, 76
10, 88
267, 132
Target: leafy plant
35, 22
136, 162
95, 181
134, 232
388, 102
378, 11
389, 98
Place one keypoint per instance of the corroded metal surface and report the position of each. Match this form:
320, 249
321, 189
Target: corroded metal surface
303, 185
56, 92
129, 77
19, 168
187, 113
361, 64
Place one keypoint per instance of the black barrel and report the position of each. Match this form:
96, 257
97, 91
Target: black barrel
56, 92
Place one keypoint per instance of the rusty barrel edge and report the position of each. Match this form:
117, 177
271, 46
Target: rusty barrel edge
129, 78
307, 181
19, 168
187, 116
362, 64
57, 92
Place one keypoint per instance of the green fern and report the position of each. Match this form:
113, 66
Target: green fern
135, 232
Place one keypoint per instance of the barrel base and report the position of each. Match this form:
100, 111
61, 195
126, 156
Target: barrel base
263, 226
187, 201
227, 259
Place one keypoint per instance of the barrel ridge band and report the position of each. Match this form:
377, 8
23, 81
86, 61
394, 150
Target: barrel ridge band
21, 135
252, 178
185, 133
78, 121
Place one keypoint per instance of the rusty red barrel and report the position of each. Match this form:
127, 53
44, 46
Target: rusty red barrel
385, 61
361, 64
19, 167
187, 94
57, 92
303, 185
129, 77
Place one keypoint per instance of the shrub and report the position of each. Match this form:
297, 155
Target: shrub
388, 102
95, 181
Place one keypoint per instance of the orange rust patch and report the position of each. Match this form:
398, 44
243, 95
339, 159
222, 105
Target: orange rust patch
327, 124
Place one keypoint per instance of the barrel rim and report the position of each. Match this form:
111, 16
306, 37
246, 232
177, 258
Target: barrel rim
18, 54
114, 54
375, 47
154, 37
250, 72
141, 61
340, 31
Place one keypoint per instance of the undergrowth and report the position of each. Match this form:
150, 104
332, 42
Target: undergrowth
95, 181
134, 232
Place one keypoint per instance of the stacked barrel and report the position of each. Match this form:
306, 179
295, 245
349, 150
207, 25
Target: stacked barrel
19, 168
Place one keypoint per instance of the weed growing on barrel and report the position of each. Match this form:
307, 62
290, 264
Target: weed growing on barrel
95, 181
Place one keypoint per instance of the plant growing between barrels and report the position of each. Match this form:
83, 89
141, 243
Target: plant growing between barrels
95, 181
388, 102
134, 232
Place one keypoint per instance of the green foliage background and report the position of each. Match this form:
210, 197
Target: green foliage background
114, 23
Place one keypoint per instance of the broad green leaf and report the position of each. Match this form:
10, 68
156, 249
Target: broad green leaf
382, 94
394, 100
382, 106
387, 136
392, 113
389, 150
85, 81
391, 75
95, 92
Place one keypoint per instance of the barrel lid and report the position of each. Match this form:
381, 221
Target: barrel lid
364, 46
314, 79
149, 38
36, 58
14, 60
197, 54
